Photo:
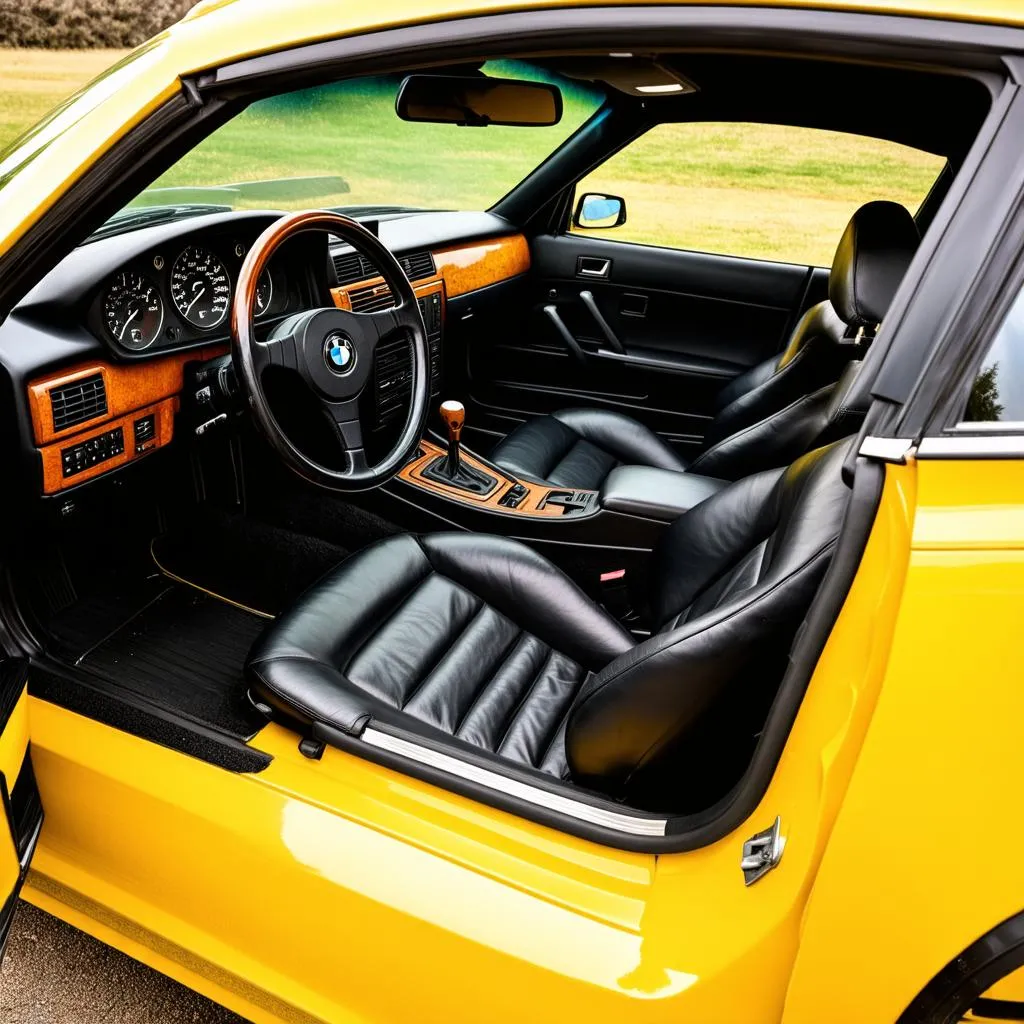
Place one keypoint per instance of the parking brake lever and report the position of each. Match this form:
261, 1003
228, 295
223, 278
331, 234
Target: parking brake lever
587, 298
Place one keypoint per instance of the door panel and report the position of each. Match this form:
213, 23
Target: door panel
22, 814
651, 332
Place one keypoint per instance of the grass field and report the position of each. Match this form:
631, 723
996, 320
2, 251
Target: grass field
750, 190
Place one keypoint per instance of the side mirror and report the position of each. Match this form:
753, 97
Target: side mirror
599, 211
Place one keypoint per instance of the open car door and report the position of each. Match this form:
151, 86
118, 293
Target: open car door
22, 817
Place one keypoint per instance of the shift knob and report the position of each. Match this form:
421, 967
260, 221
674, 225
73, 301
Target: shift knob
454, 416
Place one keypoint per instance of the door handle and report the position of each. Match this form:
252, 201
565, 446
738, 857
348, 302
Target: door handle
551, 312
588, 300
593, 266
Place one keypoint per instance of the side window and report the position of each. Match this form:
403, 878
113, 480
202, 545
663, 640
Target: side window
997, 395
765, 191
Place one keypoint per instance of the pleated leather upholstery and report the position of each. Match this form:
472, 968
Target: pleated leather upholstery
479, 639
483, 644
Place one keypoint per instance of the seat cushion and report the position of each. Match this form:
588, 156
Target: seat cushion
460, 636
580, 447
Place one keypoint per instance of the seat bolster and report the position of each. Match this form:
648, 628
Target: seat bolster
627, 439
745, 382
709, 540
653, 698
335, 615
814, 357
777, 440
535, 448
526, 588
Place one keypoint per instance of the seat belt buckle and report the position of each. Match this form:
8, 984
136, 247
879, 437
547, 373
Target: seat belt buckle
615, 595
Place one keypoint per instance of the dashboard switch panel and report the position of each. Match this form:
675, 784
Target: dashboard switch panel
145, 433
80, 457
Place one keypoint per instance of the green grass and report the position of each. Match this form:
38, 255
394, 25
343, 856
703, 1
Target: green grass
749, 190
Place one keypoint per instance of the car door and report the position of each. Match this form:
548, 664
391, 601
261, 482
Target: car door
22, 816
722, 238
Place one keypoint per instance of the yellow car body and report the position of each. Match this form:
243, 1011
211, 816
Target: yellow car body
338, 890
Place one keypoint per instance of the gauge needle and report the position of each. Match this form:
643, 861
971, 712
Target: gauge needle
199, 295
120, 337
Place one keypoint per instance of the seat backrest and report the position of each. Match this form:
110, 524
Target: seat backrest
732, 581
813, 420
872, 256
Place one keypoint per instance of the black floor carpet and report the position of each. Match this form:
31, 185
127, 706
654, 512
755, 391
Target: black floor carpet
264, 567
184, 651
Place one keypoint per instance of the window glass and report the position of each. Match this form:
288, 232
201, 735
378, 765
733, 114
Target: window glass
998, 391
764, 191
342, 145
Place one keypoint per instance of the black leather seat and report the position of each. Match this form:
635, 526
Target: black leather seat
482, 644
580, 447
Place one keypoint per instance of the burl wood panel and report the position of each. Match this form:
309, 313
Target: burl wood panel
130, 386
53, 472
343, 296
469, 267
529, 506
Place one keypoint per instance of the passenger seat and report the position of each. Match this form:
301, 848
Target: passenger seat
579, 447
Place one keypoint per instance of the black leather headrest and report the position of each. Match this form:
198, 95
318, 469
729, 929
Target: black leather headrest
873, 255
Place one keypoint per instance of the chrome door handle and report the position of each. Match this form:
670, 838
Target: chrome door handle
593, 266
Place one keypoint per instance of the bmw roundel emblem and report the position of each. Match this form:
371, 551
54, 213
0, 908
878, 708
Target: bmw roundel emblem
339, 354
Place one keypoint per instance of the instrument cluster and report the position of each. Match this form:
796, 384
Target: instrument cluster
172, 300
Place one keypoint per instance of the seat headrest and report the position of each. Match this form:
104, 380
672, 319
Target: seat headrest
873, 255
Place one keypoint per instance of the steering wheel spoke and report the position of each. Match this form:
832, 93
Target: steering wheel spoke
279, 349
333, 352
386, 322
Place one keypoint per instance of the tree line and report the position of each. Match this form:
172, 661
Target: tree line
82, 24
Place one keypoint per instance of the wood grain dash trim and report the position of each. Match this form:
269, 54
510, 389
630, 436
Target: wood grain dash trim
531, 505
53, 473
129, 386
466, 268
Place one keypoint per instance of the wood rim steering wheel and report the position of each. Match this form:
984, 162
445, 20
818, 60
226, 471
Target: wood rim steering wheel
332, 350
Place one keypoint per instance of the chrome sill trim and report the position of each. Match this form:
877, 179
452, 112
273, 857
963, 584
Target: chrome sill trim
616, 820
990, 427
886, 449
1004, 446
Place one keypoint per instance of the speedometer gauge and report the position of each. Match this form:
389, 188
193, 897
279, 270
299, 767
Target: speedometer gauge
200, 287
133, 311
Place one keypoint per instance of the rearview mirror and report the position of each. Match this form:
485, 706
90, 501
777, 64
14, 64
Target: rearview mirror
595, 210
478, 102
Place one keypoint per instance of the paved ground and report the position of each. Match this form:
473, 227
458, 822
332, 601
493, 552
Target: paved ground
55, 974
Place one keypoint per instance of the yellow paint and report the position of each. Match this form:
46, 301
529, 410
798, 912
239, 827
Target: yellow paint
13, 744
343, 891
220, 32
921, 861
340, 891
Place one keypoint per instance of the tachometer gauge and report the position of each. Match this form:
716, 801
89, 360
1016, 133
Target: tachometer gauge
133, 311
200, 287
264, 292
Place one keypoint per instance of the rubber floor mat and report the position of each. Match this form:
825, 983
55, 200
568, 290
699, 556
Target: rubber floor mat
185, 652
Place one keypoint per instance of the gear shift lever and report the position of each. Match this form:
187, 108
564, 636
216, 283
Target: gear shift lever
450, 469
454, 415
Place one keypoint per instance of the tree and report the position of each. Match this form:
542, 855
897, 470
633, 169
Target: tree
983, 404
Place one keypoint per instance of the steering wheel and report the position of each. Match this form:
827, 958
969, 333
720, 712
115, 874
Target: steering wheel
332, 350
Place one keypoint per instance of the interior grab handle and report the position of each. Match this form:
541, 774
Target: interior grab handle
588, 300
551, 312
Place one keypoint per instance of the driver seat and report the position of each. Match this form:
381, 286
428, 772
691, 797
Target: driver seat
481, 644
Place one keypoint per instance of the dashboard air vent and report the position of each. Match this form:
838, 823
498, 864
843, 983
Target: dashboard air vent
369, 300
351, 267
78, 402
417, 265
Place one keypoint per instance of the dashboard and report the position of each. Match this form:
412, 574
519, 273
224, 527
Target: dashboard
179, 294
100, 358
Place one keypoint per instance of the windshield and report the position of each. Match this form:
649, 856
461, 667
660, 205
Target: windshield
343, 146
